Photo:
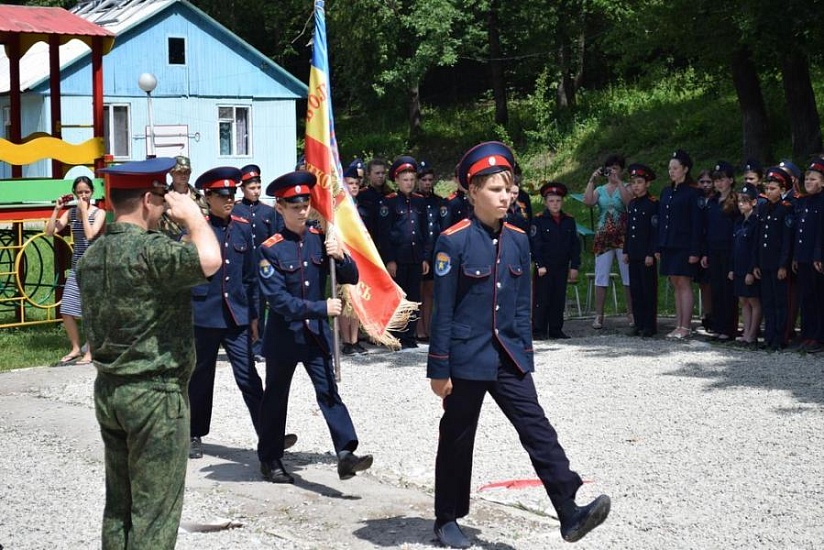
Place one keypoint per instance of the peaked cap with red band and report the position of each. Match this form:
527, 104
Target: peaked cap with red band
292, 186
250, 173
779, 175
222, 180
402, 164
816, 165
143, 174
638, 170
489, 157
553, 188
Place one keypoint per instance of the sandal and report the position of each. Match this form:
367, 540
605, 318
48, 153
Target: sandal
69, 358
598, 322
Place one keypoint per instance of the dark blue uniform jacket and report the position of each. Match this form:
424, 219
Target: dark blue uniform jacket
642, 227
679, 218
554, 243
808, 226
293, 274
230, 297
482, 305
775, 235
264, 219
745, 245
403, 229
718, 226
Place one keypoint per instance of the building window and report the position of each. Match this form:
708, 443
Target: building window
117, 131
7, 122
233, 129
177, 51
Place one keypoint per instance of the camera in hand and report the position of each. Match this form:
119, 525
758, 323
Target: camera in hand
67, 198
605, 171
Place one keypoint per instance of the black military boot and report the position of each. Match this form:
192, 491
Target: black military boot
275, 471
577, 521
195, 448
349, 464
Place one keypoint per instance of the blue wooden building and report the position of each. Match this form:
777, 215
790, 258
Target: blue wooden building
217, 100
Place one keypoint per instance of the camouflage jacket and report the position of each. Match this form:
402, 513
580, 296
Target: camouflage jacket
137, 311
172, 229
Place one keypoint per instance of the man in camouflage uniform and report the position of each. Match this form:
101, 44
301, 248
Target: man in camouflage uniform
138, 315
181, 173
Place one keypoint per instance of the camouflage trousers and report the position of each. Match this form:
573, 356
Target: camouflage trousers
145, 429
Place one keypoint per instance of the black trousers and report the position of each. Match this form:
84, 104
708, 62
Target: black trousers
643, 286
550, 301
514, 392
408, 277
280, 368
202, 385
774, 298
811, 301
724, 302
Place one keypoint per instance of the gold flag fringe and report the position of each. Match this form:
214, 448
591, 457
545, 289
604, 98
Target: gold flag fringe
403, 314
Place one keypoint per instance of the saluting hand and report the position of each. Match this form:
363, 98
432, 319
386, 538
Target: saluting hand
441, 386
181, 209
334, 307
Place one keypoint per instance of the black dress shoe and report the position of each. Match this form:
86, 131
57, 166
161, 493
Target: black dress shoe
349, 464
275, 471
450, 534
360, 349
577, 521
195, 448
647, 333
289, 440
557, 335
634, 331
348, 349
539, 336
409, 345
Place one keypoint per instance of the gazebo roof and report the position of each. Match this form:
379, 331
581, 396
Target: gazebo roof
31, 24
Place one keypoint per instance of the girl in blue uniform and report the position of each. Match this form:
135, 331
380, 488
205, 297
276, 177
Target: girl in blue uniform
679, 237
721, 212
744, 254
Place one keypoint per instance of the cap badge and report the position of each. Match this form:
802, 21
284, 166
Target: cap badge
297, 189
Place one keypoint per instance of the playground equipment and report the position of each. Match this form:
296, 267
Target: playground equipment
33, 266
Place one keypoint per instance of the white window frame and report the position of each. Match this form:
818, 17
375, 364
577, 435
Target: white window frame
108, 114
185, 52
234, 130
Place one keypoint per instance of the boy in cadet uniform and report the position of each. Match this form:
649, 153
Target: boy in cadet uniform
264, 221
293, 266
225, 309
639, 250
180, 174
807, 255
138, 316
795, 192
404, 240
435, 214
481, 343
371, 197
458, 207
774, 255
556, 251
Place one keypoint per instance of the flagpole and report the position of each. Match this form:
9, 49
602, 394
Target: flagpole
333, 278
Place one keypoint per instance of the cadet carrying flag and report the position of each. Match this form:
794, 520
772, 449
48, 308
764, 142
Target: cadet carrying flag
379, 303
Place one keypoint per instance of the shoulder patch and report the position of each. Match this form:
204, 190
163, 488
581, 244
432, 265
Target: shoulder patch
314, 230
265, 268
273, 240
463, 224
653, 198
391, 195
452, 195
239, 219
514, 228
443, 264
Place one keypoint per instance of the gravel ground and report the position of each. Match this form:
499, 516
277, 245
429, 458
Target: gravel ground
700, 446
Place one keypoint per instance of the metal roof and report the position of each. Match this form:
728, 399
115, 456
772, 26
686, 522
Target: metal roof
116, 17
29, 25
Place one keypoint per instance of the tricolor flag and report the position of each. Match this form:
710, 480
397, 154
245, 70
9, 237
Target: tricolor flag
379, 303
